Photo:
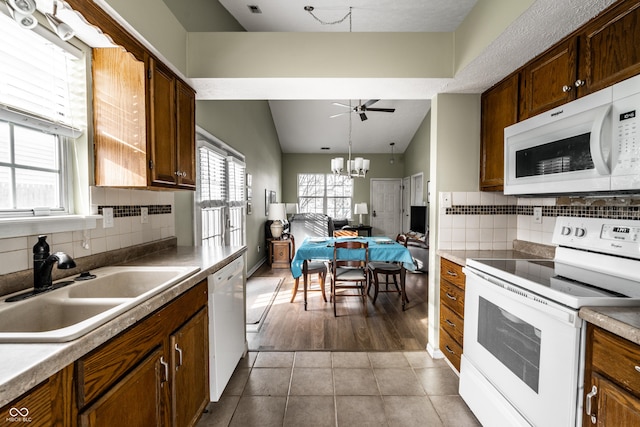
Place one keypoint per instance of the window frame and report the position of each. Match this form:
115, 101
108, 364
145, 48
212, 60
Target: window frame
325, 194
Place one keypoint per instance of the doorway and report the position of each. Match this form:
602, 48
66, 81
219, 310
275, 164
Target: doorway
386, 206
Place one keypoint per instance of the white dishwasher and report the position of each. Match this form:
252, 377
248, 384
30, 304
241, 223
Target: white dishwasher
227, 340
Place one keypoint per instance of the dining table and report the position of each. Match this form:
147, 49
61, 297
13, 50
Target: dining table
379, 249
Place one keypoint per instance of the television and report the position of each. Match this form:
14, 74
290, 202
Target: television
418, 219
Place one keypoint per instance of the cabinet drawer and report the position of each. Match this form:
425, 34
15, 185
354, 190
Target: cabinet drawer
451, 323
617, 359
450, 348
452, 296
452, 272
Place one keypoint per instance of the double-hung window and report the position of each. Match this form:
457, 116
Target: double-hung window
220, 195
325, 193
42, 109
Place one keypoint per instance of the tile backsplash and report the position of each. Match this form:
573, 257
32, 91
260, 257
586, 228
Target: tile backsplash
128, 229
486, 221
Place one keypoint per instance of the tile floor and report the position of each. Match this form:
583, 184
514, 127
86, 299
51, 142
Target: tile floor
324, 388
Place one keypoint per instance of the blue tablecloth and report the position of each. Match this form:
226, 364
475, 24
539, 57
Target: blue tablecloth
380, 249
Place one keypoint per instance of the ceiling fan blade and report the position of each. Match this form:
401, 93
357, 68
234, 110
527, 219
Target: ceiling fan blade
370, 102
340, 114
384, 110
342, 105
363, 117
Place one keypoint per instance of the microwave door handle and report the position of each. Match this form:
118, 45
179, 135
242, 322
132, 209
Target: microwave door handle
597, 140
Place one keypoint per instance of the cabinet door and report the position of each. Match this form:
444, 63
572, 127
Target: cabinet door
499, 110
615, 406
120, 142
609, 50
549, 80
186, 134
162, 96
136, 400
190, 391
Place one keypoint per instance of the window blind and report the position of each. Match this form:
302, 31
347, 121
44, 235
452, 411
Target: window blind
34, 90
236, 182
212, 178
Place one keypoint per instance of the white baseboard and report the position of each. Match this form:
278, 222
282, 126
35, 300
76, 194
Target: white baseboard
435, 353
256, 266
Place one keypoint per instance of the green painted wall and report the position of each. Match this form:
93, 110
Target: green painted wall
247, 127
416, 156
203, 15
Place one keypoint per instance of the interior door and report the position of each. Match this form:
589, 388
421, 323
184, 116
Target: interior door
406, 204
386, 206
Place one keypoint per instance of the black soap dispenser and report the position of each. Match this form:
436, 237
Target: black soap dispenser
40, 254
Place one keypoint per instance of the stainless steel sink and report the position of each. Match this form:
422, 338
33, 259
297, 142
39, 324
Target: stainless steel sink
69, 312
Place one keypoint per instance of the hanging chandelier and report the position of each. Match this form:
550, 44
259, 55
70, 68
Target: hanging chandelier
355, 168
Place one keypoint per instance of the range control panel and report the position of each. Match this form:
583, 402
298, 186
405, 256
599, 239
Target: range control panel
612, 236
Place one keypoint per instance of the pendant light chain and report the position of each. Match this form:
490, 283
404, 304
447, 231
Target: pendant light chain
339, 21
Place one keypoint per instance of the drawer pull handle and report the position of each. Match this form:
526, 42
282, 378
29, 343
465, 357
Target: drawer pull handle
590, 396
449, 350
451, 297
450, 323
452, 273
637, 368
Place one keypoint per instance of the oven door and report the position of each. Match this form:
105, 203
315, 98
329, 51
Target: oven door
520, 355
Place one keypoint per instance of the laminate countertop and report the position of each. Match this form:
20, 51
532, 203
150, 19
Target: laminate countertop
622, 321
23, 366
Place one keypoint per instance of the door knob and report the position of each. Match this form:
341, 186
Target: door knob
374, 213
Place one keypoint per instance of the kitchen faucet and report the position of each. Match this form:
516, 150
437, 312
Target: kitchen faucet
43, 264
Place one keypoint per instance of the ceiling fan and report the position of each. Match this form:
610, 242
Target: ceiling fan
361, 109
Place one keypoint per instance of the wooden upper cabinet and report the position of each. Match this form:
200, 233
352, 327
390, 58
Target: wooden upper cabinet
120, 143
549, 80
499, 110
609, 51
172, 127
162, 99
186, 134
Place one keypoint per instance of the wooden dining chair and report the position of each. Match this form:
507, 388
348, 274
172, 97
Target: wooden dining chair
310, 268
388, 269
349, 270
345, 233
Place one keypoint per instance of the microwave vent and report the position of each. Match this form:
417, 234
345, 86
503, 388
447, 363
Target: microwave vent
555, 165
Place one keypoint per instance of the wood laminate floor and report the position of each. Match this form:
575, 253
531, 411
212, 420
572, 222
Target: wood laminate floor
358, 327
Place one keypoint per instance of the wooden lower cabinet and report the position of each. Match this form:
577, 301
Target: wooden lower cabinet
47, 404
451, 311
189, 393
157, 369
612, 380
135, 400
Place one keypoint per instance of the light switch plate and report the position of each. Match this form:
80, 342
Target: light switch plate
537, 215
107, 217
144, 215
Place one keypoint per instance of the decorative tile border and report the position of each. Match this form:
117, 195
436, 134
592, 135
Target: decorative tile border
611, 212
125, 211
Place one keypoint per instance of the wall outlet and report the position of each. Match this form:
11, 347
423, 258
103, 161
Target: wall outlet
537, 215
107, 217
445, 199
144, 215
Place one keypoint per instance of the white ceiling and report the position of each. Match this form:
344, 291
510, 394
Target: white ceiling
367, 16
300, 107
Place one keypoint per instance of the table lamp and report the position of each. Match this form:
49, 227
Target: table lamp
360, 209
277, 212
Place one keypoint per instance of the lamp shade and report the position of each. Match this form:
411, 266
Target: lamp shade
292, 208
361, 208
277, 211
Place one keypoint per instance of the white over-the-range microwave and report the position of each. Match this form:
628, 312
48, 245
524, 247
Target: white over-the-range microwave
590, 145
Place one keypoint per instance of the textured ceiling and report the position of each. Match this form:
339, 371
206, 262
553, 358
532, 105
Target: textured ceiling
366, 16
300, 115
